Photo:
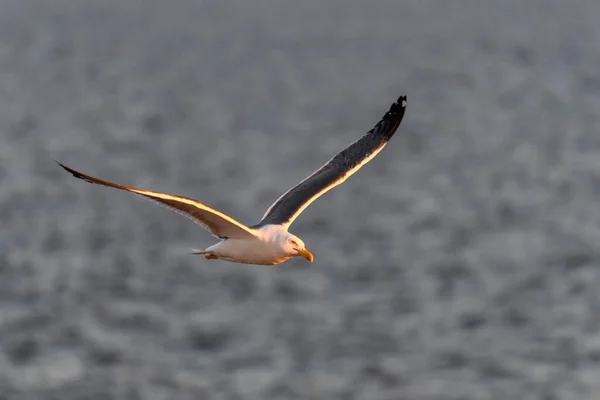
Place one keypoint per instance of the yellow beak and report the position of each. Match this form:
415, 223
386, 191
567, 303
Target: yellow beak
306, 254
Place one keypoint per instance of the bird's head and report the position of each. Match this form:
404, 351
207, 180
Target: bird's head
294, 246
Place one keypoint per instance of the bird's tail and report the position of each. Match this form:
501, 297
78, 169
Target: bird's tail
209, 255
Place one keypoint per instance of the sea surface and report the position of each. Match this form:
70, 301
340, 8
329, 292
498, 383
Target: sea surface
463, 263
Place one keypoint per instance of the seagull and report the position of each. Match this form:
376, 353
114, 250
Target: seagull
268, 242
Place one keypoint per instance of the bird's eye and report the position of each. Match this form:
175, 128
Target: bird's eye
293, 242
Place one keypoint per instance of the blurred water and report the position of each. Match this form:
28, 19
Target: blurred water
460, 264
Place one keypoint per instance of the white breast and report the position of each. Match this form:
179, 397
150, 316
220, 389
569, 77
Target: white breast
264, 249
248, 251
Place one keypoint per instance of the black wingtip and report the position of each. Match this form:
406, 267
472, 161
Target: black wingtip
73, 172
396, 111
398, 106
66, 168
390, 122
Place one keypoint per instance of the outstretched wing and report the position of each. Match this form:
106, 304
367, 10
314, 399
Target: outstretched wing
219, 224
287, 208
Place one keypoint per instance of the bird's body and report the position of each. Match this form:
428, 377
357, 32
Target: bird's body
267, 248
269, 242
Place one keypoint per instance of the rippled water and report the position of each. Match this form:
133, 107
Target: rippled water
462, 263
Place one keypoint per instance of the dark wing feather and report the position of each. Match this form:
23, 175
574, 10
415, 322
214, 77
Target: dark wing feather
287, 208
219, 224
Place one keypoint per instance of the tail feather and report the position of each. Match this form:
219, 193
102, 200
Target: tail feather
209, 255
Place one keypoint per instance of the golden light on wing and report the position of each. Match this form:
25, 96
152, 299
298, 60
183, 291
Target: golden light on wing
333, 184
219, 224
339, 168
203, 213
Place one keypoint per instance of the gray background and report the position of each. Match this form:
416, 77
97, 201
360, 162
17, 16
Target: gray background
462, 263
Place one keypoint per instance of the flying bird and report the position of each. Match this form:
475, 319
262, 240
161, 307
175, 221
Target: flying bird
268, 242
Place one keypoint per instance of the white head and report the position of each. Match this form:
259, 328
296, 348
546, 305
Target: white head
294, 246
284, 244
